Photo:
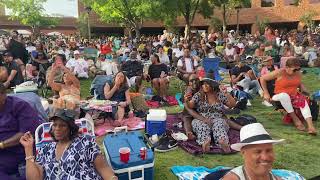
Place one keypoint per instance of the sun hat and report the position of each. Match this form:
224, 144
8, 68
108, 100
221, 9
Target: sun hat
254, 134
64, 114
213, 83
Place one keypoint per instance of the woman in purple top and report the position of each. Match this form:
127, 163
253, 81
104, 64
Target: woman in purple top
16, 118
70, 156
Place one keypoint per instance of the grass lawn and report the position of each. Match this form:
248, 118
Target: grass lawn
299, 153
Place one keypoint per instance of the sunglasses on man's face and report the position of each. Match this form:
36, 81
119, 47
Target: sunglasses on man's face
194, 80
296, 69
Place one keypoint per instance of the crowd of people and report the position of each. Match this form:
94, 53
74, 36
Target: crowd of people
266, 66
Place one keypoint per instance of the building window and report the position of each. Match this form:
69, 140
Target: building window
267, 3
314, 1
291, 2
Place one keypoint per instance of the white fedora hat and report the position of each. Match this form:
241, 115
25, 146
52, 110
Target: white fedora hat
254, 134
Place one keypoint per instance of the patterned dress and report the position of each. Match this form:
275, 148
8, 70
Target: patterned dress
213, 112
75, 163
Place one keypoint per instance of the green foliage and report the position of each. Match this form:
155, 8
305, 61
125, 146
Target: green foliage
307, 18
127, 13
30, 13
215, 23
82, 24
169, 10
262, 23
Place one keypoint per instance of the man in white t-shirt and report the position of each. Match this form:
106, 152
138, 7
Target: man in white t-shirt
230, 54
164, 58
64, 51
187, 65
78, 65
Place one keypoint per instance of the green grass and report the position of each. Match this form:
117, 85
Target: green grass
299, 153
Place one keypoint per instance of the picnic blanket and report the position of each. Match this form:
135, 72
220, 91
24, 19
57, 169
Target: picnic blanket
133, 123
191, 146
199, 173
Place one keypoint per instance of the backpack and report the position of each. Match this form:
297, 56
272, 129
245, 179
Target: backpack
244, 119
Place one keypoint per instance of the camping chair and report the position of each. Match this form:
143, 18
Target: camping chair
43, 136
212, 64
98, 84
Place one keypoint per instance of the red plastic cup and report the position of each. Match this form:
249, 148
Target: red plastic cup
124, 154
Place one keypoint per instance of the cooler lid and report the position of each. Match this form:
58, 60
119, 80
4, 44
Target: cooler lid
133, 140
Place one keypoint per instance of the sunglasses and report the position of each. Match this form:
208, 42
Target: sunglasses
297, 69
193, 80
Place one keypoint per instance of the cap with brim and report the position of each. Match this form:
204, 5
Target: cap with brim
76, 52
253, 134
249, 57
64, 114
7, 54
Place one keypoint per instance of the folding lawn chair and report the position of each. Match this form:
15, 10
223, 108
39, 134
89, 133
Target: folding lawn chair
43, 136
212, 64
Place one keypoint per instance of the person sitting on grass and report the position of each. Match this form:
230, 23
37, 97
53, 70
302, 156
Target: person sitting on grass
158, 74
69, 89
16, 118
78, 65
187, 116
266, 69
287, 82
256, 148
186, 65
118, 90
210, 102
70, 156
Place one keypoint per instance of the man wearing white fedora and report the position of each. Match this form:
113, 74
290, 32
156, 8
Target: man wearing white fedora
256, 147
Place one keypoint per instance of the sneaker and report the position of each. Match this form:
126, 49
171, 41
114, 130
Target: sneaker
260, 92
266, 103
249, 103
166, 143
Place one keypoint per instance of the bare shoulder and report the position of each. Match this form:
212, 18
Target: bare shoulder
230, 176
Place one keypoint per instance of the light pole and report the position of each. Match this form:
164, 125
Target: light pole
88, 9
238, 12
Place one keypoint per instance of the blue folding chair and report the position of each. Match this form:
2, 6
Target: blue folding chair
212, 64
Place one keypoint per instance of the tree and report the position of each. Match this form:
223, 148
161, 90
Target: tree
225, 5
30, 13
307, 19
169, 10
82, 25
262, 23
126, 13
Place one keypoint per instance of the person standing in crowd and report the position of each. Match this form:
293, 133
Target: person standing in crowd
18, 50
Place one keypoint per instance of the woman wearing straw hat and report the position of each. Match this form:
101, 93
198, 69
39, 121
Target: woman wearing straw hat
256, 147
209, 102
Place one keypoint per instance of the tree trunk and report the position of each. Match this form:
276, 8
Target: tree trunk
224, 19
187, 31
137, 31
237, 31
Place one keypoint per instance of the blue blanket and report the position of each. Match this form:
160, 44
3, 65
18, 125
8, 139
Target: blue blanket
198, 173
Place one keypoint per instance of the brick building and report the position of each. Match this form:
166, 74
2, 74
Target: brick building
280, 13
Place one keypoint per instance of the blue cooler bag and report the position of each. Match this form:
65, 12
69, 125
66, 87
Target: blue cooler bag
136, 168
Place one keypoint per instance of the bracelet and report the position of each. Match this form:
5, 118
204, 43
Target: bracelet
114, 177
1, 145
30, 158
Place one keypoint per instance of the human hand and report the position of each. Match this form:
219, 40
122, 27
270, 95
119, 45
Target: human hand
6, 84
123, 104
266, 96
27, 140
223, 89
